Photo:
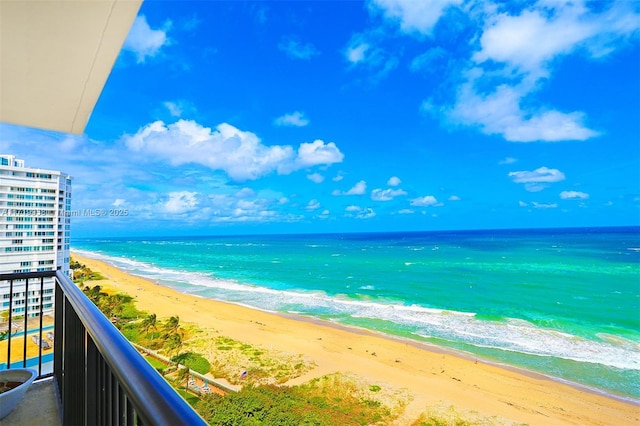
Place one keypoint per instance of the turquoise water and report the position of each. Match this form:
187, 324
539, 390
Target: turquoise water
561, 302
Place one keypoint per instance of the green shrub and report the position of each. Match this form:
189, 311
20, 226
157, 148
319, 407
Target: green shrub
194, 361
300, 405
158, 365
131, 333
191, 399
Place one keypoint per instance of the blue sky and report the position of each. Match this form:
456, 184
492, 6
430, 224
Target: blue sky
383, 115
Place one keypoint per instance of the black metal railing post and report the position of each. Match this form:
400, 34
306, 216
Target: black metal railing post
58, 347
92, 389
73, 368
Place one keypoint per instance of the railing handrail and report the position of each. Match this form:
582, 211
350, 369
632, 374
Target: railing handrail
28, 275
155, 401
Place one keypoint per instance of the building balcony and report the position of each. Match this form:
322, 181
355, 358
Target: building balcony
88, 373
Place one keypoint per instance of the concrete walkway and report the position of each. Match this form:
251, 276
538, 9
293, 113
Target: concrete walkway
38, 407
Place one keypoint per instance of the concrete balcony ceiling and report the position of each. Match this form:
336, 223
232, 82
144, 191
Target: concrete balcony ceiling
55, 57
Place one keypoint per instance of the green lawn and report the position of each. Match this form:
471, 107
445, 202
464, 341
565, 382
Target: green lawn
158, 365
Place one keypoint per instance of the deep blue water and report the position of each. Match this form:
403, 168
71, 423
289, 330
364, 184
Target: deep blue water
562, 302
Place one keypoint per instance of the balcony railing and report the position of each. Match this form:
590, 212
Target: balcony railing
101, 378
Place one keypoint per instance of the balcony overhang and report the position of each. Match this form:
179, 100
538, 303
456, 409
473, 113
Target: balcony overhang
55, 57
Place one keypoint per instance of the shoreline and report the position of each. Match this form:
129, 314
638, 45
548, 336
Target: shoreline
447, 351
454, 352
433, 375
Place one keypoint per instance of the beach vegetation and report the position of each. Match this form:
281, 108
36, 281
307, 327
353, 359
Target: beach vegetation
157, 364
190, 398
172, 326
231, 357
224, 348
132, 333
173, 344
81, 273
120, 308
74, 264
446, 416
182, 375
326, 401
374, 388
193, 361
148, 323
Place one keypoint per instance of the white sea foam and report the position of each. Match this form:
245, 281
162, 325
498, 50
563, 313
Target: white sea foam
512, 335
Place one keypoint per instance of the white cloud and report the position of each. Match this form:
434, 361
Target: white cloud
174, 109
294, 119
544, 206
145, 42
394, 181
530, 40
522, 204
537, 180
313, 205
428, 61
508, 160
179, 108
366, 213
325, 212
294, 48
315, 177
338, 178
427, 200
573, 195
500, 112
229, 209
359, 212
406, 211
153, 193
355, 53
535, 187
454, 198
386, 194
539, 175
414, 15
362, 51
245, 193
358, 189
316, 153
240, 154
514, 51
515, 54
181, 202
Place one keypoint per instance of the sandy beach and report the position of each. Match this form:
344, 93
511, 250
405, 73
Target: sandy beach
426, 377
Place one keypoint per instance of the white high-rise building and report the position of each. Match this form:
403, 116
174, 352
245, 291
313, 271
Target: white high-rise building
35, 227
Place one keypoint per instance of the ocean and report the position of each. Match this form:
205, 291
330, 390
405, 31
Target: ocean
561, 302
